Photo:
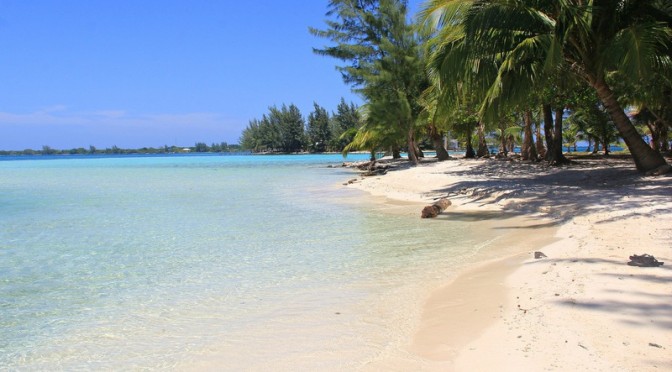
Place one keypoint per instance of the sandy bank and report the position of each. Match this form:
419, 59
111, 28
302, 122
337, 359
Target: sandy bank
582, 307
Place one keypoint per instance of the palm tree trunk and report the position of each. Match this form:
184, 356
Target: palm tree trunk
655, 140
646, 159
412, 155
528, 151
483, 150
396, 153
548, 130
437, 140
541, 151
503, 143
470, 153
557, 158
664, 142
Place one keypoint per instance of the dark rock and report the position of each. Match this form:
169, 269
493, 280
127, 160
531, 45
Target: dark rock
645, 260
538, 255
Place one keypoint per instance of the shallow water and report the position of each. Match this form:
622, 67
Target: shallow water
181, 262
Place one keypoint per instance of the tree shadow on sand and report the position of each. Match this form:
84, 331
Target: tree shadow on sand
640, 307
560, 193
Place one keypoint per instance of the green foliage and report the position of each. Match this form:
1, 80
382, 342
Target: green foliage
344, 123
319, 130
505, 52
200, 147
281, 130
384, 63
284, 129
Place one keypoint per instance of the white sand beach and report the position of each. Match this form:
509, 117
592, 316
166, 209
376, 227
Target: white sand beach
581, 307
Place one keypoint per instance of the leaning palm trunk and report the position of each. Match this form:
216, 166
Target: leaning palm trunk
646, 159
437, 141
528, 152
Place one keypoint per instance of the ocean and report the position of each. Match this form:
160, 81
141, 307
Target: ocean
209, 262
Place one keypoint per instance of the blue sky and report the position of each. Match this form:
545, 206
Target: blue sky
152, 73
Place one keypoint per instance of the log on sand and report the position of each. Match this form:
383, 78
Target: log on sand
433, 210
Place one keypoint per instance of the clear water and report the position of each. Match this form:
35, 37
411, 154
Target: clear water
188, 262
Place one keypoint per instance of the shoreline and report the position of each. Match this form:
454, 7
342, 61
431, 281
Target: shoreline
499, 312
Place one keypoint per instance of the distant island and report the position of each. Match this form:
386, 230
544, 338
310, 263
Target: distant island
199, 147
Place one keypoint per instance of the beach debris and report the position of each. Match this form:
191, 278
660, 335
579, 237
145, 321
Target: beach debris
645, 260
433, 210
373, 169
375, 172
538, 255
655, 345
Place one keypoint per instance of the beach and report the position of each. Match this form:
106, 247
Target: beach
581, 307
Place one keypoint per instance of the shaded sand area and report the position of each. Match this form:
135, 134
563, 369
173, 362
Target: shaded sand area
581, 307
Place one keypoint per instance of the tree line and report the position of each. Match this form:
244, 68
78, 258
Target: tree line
114, 150
285, 130
539, 74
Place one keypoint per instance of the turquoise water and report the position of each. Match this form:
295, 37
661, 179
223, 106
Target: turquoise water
249, 262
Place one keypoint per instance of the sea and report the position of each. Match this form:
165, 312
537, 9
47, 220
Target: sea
210, 262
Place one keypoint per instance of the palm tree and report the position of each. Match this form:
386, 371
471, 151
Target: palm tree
530, 39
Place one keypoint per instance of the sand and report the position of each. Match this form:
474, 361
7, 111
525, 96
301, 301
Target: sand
581, 307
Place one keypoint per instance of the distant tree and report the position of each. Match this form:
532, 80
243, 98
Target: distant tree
291, 127
77, 151
46, 150
250, 138
343, 122
201, 147
319, 132
282, 129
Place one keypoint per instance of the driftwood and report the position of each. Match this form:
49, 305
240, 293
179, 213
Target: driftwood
433, 210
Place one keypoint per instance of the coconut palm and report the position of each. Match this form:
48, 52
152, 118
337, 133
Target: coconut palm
529, 39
